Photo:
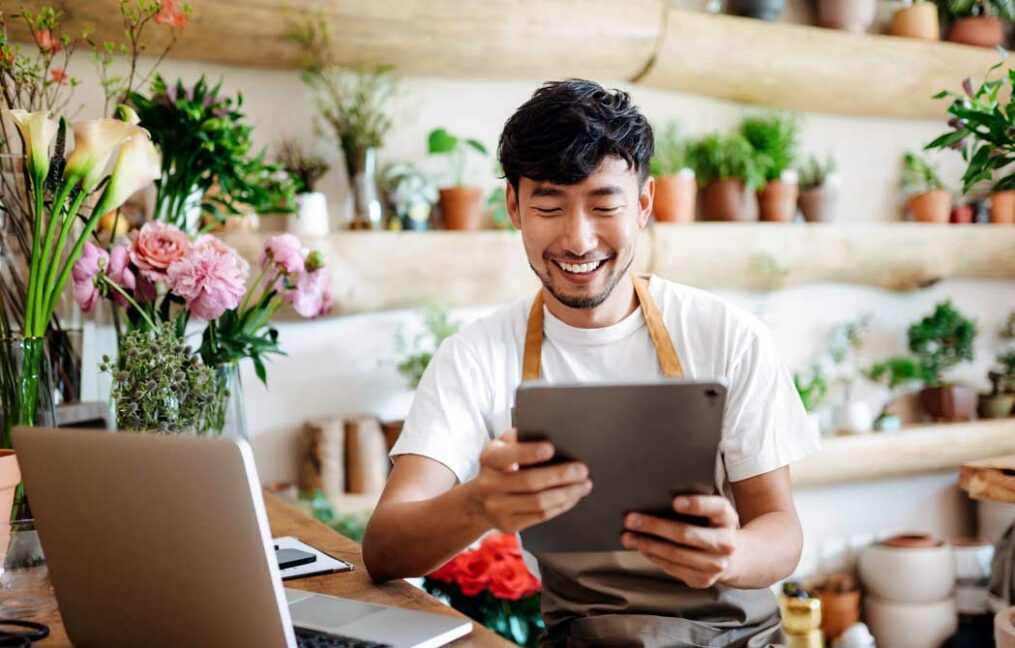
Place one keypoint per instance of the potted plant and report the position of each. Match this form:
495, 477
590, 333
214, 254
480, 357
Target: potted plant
928, 201
812, 391
819, 189
940, 341
759, 9
462, 206
410, 192
851, 415
855, 16
774, 139
1001, 399
895, 373
917, 19
977, 22
676, 188
980, 129
727, 171
305, 169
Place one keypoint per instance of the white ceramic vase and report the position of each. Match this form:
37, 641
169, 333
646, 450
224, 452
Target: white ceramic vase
854, 417
311, 217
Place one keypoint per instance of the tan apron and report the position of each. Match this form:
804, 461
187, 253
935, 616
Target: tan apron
622, 599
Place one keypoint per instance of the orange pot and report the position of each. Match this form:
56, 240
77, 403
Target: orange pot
674, 199
917, 21
10, 477
839, 610
1002, 207
727, 200
982, 31
462, 207
931, 206
777, 202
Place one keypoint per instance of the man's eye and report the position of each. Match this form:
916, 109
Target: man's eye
549, 211
606, 210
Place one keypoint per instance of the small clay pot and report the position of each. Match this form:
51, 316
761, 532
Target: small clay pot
981, 31
916, 21
949, 403
818, 204
727, 200
855, 16
839, 610
462, 207
995, 406
777, 202
1002, 207
912, 541
961, 215
675, 197
931, 206
760, 9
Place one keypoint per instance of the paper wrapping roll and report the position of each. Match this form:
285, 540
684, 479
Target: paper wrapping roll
322, 457
1004, 628
908, 574
911, 625
366, 455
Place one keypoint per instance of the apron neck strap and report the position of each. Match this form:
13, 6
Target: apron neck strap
668, 360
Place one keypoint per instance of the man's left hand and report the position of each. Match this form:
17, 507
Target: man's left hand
700, 556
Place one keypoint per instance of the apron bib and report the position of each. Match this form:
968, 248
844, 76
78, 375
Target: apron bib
620, 598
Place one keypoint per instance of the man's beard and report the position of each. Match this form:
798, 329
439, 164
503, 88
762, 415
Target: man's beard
582, 302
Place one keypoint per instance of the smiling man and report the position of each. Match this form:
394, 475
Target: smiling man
576, 158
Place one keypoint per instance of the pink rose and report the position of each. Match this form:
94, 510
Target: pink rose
120, 273
156, 247
311, 296
86, 269
210, 282
285, 251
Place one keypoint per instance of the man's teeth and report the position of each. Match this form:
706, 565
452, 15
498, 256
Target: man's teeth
579, 268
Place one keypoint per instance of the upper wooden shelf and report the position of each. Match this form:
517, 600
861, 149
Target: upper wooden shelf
375, 271
778, 65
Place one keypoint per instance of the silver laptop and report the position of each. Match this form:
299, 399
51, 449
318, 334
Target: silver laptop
164, 541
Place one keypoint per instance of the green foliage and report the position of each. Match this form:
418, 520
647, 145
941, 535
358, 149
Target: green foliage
775, 139
940, 341
304, 168
918, 175
417, 356
895, 372
812, 392
497, 204
321, 508
519, 621
442, 142
670, 152
814, 172
715, 157
237, 335
159, 384
954, 9
406, 186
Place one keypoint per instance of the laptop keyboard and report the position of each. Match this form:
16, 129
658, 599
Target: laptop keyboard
313, 639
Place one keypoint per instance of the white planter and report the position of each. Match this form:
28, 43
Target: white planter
311, 217
854, 417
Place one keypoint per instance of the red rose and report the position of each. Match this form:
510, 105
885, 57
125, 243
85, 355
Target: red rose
472, 572
446, 572
502, 546
510, 580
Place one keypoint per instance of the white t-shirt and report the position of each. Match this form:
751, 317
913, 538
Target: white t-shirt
466, 395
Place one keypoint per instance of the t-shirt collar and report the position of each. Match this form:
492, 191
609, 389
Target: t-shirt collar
560, 332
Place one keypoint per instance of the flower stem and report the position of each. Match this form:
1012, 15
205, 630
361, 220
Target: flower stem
31, 307
118, 288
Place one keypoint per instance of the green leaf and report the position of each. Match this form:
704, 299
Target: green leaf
476, 144
441, 141
947, 140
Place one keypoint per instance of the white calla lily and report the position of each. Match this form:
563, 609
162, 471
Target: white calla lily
94, 143
37, 133
137, 165
126, 113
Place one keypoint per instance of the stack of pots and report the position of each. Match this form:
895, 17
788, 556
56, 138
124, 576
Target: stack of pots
910, 582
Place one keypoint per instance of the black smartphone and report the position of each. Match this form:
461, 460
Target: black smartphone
293, 558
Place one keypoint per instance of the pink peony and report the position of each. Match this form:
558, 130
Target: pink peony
213, 242
89, 265
120, 273
209, 281
285, 251
311, 296
156, 247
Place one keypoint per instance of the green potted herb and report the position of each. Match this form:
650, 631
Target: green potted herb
977, 22
895, 373
916, 19
675, 187
410, 192
812, 391
819, 189
927, 199
775, 139
940, 341
728, 173
462, 206
1001, 399
417, 354
306, 169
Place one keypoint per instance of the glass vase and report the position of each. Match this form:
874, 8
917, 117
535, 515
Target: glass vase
361, 166
229, 415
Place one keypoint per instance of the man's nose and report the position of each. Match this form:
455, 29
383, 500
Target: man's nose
579, 236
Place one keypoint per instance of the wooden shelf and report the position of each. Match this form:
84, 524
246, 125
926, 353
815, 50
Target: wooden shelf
374, 271
780, 65
913, 450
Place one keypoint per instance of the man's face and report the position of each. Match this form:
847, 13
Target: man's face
581, 238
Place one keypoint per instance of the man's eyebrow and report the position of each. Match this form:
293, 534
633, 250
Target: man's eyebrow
608, 190
546, 190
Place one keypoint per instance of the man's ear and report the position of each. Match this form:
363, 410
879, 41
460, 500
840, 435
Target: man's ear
645, 200
511, 197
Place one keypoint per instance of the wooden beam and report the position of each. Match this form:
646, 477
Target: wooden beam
809, 69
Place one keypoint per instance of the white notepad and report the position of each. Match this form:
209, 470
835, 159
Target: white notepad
325, 564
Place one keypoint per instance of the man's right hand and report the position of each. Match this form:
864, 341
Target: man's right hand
512, 497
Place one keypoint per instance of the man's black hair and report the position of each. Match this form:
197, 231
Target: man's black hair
563, 133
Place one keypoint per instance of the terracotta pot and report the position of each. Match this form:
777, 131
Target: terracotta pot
961, 215
917, 21
933, 206
854, 16
674, 199
462, 207
727, 200
10, 477
982, 31
818, 204
1002, 207
777, 202
996, 406
949, 402
839, 610
392, 430
760, 9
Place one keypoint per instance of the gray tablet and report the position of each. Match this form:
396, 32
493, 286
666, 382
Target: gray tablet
644, 443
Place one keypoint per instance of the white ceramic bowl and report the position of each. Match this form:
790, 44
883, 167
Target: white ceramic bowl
908, 575
910, 625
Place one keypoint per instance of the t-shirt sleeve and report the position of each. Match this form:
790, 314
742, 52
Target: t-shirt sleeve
446, 422
765, 426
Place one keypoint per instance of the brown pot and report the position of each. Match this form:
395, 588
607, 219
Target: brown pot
949, 402
777, 202
1002, 207
933, 206
818, 204
962, 215
917, 21
674, 199
854, 16
993, 406
727, 200
10, 477
462, 207
839, 610
982, 31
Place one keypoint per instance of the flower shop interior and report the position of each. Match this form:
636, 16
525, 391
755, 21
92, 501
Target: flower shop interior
261, 220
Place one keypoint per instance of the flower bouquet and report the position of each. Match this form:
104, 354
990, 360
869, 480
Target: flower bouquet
492, 585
